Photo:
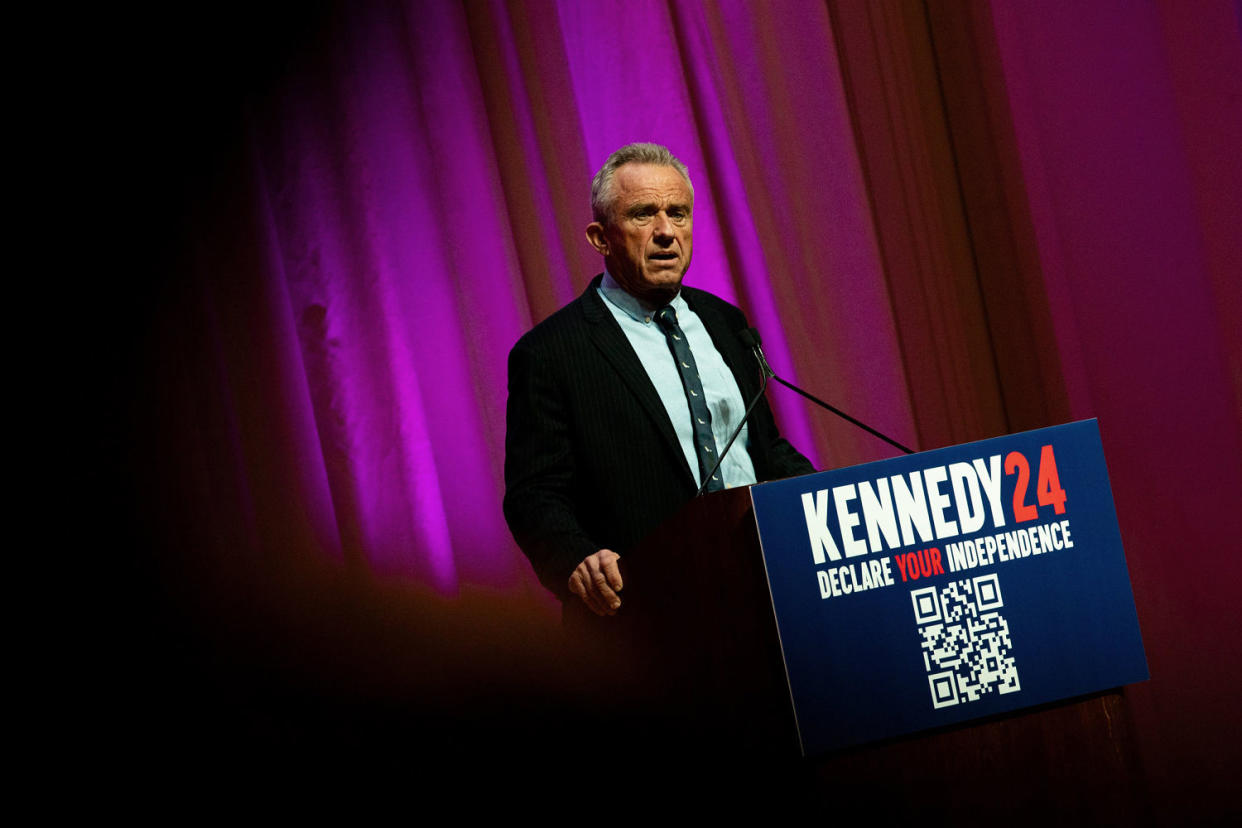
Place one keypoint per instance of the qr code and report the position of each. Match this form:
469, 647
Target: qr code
966, 646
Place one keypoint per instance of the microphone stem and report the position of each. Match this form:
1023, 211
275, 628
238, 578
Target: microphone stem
843, 415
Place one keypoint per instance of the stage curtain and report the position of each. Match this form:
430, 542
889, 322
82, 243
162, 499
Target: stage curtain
411, 196
1061, 181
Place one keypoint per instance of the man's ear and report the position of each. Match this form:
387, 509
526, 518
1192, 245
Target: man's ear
595, 235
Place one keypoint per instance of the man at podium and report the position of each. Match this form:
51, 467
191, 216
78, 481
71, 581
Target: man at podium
620, 401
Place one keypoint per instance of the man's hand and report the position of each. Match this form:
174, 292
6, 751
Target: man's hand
597, 580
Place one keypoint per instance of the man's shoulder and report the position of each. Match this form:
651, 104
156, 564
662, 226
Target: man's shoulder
694, 295
700, 301
571, 321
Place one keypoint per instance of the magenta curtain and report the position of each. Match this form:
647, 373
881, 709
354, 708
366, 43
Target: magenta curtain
411, 194
418, 193
1127, 128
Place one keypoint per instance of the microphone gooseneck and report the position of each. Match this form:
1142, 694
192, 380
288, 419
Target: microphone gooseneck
750, 338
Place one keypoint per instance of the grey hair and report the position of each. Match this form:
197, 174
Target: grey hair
602, 196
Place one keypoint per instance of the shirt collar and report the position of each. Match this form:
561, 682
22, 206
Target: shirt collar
629, 305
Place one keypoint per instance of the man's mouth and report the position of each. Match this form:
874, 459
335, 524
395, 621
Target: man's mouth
664, 256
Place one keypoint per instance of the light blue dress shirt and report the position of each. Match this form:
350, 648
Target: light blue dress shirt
724, 398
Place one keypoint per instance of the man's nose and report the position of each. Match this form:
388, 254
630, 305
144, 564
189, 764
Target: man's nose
663, 227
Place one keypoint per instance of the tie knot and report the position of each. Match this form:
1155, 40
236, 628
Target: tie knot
666, 318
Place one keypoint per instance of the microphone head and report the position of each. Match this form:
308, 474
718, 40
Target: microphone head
749, 337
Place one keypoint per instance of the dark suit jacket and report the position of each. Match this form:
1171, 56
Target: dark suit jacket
591, 458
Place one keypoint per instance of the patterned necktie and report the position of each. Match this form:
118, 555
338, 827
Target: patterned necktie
701, 418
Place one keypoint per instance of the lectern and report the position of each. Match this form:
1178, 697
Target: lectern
776, 634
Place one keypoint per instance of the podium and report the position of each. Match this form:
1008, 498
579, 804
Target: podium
700, 637
698, 648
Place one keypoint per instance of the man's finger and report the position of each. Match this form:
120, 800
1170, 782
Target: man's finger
601, 589
575, 585
599, 583
579, 584
613, 573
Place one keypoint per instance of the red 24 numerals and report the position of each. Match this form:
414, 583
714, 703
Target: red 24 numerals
1048, 489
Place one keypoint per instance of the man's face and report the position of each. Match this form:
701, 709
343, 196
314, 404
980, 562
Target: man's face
646, 240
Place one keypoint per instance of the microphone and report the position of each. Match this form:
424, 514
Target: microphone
750, 338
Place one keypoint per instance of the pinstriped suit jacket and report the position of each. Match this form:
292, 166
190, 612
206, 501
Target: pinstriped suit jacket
591, 458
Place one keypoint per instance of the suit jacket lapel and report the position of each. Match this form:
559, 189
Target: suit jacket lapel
610, 339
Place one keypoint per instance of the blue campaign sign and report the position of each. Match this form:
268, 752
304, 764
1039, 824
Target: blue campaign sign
949, 585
